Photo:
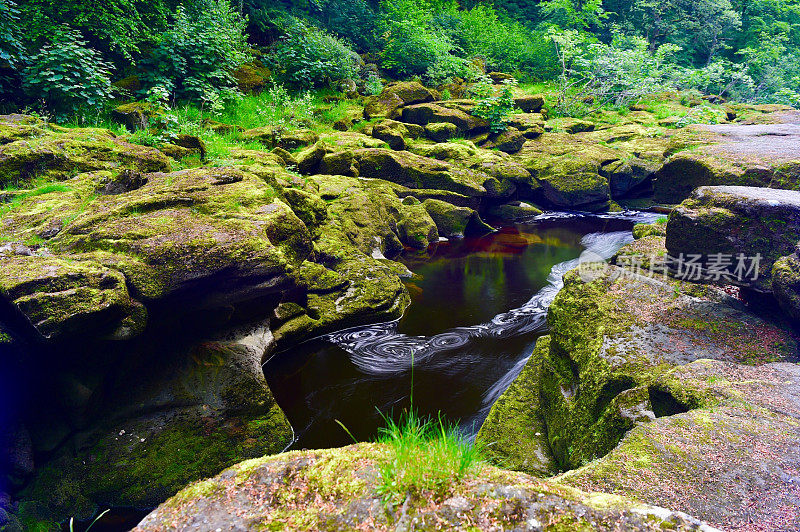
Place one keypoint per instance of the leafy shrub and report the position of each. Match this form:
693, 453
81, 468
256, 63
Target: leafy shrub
373, 85
702, 114
195, 58
306, 56
448, 67
497, 107
613, 74
505, 45
353, 20
11, 50
426, 456
411, 42
68, 76
121, 27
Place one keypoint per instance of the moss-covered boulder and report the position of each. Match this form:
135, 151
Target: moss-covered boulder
395, 96
212, 235
392, 133
514, 434
584, 191
510, 141
638, 385
514, 211
136, 115
759, 224
339, 489
455, 222
427, 113
529, 103
68, 298
414, 171
47, 152
441, 131
786, 284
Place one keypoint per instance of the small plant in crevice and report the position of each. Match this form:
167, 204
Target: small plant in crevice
426, 457
495, 107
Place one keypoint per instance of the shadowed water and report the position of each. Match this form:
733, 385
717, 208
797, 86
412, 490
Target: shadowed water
478, 306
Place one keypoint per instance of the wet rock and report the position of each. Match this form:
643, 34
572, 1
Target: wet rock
626, 175
486, 499
583, 191
164, 419
515, 211
455, 222
638, 367
737, 221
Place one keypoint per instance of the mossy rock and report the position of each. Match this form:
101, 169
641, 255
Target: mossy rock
59, 155
514, 435
136, 115
581, 191
455, 222
164, 421
395, 96
786, 285
427, 113
322, 490
414, 171
734, 221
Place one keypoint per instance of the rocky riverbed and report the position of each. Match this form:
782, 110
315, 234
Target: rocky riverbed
139, 297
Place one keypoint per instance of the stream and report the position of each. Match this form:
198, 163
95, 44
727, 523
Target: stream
478, 306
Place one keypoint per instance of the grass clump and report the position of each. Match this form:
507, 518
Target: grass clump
426, 457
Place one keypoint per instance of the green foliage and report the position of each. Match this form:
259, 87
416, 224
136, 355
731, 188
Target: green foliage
12, 53
373, 85
195, 57
702, 114
307, 56
504, 45
426, 456
574, 14
595, 74
497, 106
412, 44
120, 27
67, 77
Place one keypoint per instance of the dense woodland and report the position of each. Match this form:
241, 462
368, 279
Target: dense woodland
68, 59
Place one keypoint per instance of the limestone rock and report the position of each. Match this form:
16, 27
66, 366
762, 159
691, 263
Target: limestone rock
427, 113
529, 103
308, 160
455, 222
441, 131
510, 141
395, 96
484, 499
737, 220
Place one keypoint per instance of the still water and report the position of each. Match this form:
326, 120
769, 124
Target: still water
478, 306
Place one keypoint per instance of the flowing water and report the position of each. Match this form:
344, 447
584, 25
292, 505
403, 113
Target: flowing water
478, 306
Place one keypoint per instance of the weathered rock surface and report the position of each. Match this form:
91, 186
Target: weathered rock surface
36, 151
786, 284
428, 113
395, 96
737, 221
765, 155
641, 387
338, 490
163, 418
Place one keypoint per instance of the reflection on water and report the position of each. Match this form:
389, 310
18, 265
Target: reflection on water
478, 306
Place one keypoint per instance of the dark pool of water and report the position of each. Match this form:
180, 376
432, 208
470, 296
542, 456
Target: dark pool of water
478, 306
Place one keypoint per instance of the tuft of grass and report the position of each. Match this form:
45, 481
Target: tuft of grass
426, 457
